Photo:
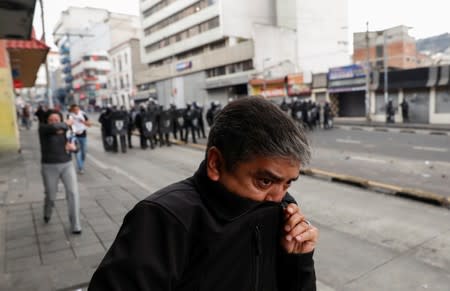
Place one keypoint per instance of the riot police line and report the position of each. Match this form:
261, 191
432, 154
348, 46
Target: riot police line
308, 114
154, 125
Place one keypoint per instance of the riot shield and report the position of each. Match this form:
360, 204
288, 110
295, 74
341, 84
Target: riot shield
119, 122
165, 122
180, 118
149, 125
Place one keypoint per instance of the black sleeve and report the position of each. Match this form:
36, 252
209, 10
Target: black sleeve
147, 254
47, 129
85, 117
296, 272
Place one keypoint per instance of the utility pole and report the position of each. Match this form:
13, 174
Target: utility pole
47, 78
368, 69
386, 68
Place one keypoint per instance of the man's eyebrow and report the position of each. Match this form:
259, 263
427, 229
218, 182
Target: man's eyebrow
272, 176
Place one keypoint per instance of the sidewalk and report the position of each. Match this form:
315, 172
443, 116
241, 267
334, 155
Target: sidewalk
39, 256
443, 129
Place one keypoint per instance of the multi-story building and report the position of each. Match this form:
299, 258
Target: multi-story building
202, 50
126, 61
90, 78
87, 34
394, 45
207, 50
322, 38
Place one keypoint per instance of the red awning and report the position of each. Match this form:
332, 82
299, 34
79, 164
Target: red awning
26, 44
26, 56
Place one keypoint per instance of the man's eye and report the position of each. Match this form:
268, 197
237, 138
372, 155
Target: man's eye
265, 182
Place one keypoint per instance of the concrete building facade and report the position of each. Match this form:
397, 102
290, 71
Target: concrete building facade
322, 38
126, 61
199, 50
89, 33
394, 43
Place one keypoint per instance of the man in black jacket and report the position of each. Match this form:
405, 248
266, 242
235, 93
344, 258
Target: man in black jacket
231, 226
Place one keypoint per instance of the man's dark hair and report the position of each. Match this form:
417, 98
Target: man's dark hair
252, 126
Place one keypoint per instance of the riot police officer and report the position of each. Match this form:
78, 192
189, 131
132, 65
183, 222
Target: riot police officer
146, 124
212, 112
131, 125
189, 123
199, 118
119, 120
108, 139
165, 127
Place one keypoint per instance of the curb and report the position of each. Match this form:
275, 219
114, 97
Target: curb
415, 194
383, 128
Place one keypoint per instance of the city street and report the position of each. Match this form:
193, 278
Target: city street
368, 241
419, 161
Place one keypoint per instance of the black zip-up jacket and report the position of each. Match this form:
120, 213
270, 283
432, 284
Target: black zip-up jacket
195, 235
53, 144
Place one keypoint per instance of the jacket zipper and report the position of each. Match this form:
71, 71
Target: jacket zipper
258, 253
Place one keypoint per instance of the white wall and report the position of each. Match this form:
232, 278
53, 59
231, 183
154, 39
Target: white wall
238, 16
276, 46
286, 13
437, 118
77, 20
322, 36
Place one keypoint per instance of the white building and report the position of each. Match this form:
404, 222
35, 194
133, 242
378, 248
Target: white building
322, 37
208, 50
205, 50
126, 61
90, 33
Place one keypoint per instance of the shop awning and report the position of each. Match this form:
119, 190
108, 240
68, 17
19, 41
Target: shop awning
16, 18
26, 56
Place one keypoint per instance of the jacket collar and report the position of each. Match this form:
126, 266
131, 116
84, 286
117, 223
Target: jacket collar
224, 204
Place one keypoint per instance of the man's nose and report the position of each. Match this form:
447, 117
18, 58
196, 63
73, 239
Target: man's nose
277, 193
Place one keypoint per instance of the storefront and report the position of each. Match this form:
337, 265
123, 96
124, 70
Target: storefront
346, 86
296, 87
319, 92
414, 86
271, 88
440, 96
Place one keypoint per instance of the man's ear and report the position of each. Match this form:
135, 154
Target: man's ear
214, 162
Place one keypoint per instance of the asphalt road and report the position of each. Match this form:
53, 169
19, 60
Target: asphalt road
415, 161
368, 241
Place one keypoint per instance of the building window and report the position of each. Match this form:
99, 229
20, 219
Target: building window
125, 58
192, 9
190, 32
120, 63
230, 69
121, 83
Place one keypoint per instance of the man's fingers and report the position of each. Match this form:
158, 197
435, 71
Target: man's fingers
292, 208
310, 234
297, 229
293, 221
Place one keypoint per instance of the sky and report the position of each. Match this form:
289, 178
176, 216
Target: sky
427, 18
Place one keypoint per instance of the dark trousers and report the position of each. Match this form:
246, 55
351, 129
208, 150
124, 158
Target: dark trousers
186, 130
143, 139
129, 134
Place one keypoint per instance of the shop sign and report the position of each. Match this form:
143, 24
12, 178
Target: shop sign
346, 72
183, 66
296, 85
